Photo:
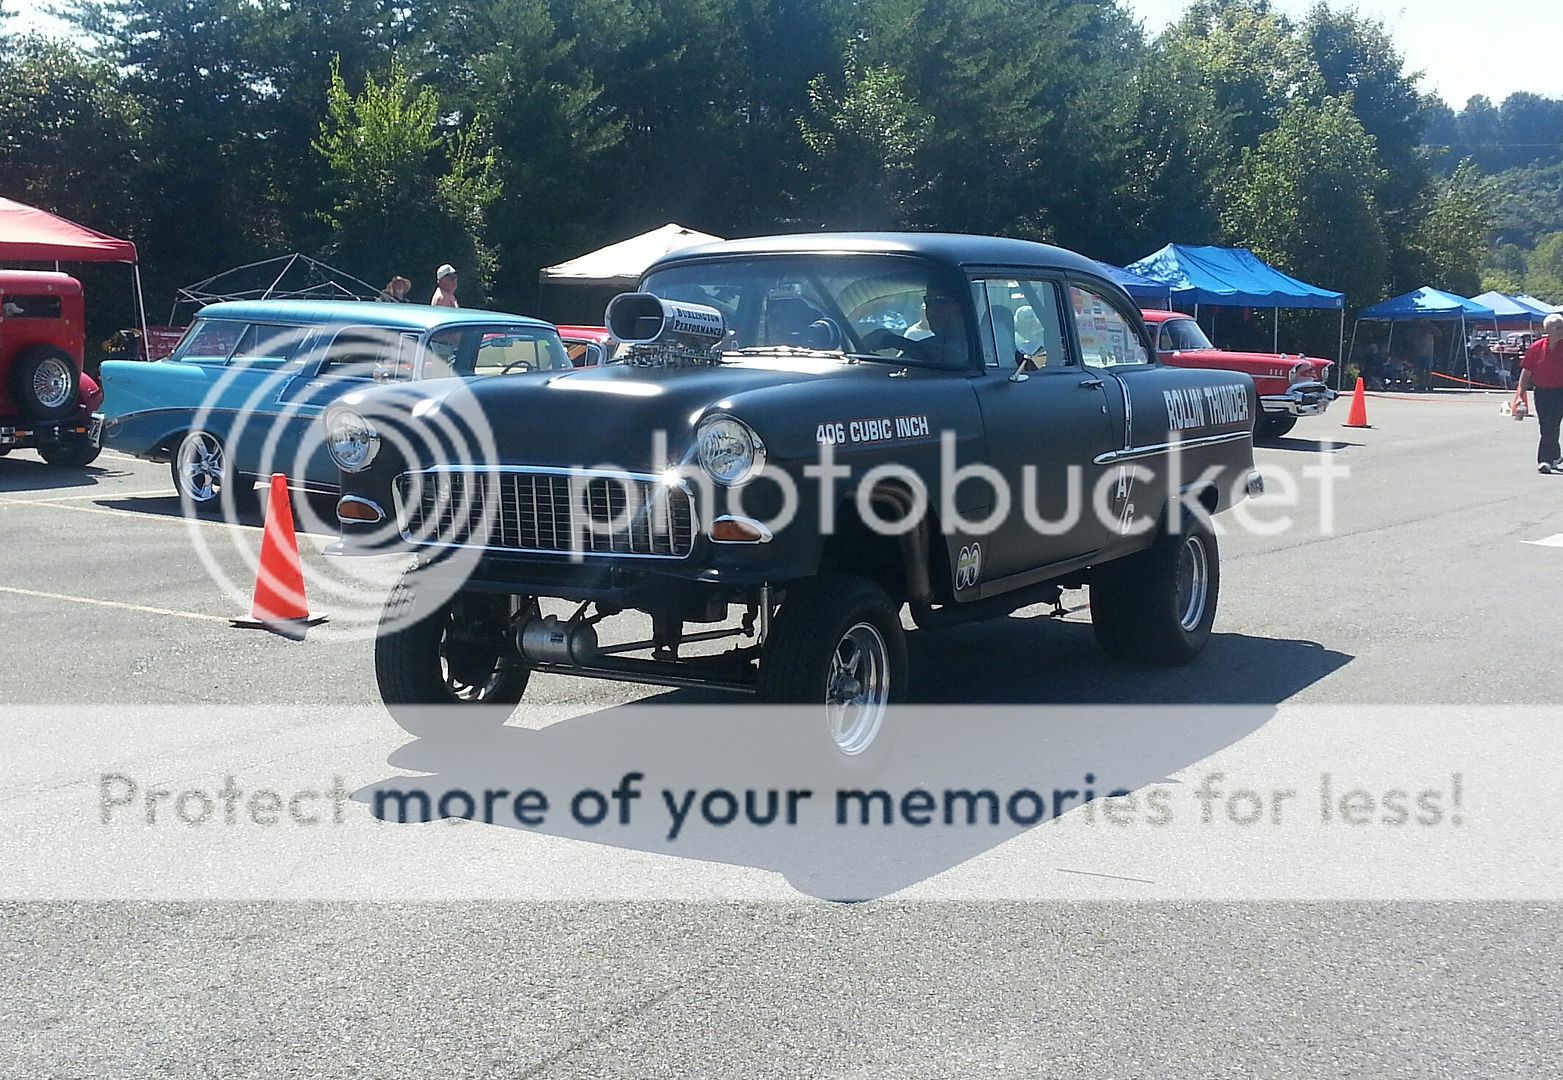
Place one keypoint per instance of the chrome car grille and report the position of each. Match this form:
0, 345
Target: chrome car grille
547, 511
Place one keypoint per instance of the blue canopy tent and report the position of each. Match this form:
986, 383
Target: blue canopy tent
1424, 305
1510, 312
1235, 277
1540, 305
1140, 288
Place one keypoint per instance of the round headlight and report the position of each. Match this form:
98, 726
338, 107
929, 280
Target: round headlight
351, 441
729, 450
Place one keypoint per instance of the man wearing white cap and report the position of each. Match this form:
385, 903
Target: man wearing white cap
445, 291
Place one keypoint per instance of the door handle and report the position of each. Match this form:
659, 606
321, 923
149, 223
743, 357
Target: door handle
1090, 384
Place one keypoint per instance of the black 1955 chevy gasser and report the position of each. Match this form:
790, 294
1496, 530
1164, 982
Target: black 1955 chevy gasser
818, 431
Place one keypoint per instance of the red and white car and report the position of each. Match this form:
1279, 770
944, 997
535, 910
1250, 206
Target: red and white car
1289, 386
588, 346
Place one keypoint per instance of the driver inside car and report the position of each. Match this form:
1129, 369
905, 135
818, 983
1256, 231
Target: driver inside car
945, 346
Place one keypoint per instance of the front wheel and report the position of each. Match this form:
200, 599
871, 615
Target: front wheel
1273, 427
454, 652
1157, 606
71, 455
837, 643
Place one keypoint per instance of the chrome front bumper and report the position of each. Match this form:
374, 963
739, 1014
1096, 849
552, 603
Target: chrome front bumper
1302, 399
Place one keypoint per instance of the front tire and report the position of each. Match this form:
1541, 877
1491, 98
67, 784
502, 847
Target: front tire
837, 643
1157, 606
1273, 427
430, 656
70, 455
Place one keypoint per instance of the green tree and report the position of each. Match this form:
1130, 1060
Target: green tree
865, 133
1452, 237
1544, 269
1304, 200
407, 196
71, 141
1504, 270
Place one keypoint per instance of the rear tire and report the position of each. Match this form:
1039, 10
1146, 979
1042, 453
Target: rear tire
70, 455
838, 645
44, 383
429, 657
1157, 607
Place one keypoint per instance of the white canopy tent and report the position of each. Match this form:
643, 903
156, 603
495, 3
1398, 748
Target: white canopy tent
621, 265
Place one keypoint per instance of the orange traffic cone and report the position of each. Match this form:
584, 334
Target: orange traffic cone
279, 580
1358, 417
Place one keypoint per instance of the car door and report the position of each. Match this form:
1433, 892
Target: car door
267, 360
1112, 346
1047, 420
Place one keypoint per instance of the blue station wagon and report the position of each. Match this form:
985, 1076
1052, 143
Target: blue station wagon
242, 395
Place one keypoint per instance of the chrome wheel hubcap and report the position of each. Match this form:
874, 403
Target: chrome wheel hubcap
52, 384
857, 688
200, 467
1193, 582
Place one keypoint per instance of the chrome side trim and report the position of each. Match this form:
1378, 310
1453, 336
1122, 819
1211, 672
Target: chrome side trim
1167, 447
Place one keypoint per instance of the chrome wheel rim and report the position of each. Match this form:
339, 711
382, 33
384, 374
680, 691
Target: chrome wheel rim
857, 688
200, 466
1193, 582
52, 383
458, 688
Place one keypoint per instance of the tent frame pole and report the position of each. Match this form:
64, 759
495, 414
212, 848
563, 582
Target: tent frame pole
1275, 346
141, 310
1340, 366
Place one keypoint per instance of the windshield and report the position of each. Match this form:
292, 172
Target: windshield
1183, 334
878, 306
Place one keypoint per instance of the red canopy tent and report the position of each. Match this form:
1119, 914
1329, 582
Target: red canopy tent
28, 234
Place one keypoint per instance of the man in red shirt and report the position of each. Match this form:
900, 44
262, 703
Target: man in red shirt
1543, 370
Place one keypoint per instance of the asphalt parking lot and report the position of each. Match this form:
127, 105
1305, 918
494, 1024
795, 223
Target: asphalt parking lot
1428, 580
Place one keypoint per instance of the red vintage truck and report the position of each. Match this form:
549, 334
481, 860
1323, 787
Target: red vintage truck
46, 399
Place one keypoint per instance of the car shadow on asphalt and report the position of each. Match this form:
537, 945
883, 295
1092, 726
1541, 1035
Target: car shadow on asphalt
1078, 728
18, 475
312, 512
1311, 446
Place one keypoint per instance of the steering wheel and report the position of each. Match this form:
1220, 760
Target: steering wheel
525, 365
880, 338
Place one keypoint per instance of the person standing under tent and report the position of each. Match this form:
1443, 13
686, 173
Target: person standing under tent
1542, 369
1423, 349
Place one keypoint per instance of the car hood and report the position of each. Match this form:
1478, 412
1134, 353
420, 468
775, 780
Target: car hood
609, 416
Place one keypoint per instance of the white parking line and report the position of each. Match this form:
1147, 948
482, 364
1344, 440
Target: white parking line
124, 515
1550, 541
110, 604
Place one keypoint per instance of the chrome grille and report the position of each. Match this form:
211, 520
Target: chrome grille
547, 511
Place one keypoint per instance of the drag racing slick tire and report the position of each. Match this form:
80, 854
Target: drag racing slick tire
838, 641
457, 654
1157, 606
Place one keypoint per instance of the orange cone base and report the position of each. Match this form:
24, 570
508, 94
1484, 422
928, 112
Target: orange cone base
292, 629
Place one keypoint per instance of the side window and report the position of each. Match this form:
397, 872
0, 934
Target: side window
363, 352
508, 352
1107, 339
1019, 325
209, 341
440, 353
17, 306
263, 345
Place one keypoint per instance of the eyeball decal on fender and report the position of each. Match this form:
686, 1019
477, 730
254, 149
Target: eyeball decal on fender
968, 567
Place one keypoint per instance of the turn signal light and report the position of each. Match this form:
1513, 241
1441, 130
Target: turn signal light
352, 508
729, 530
